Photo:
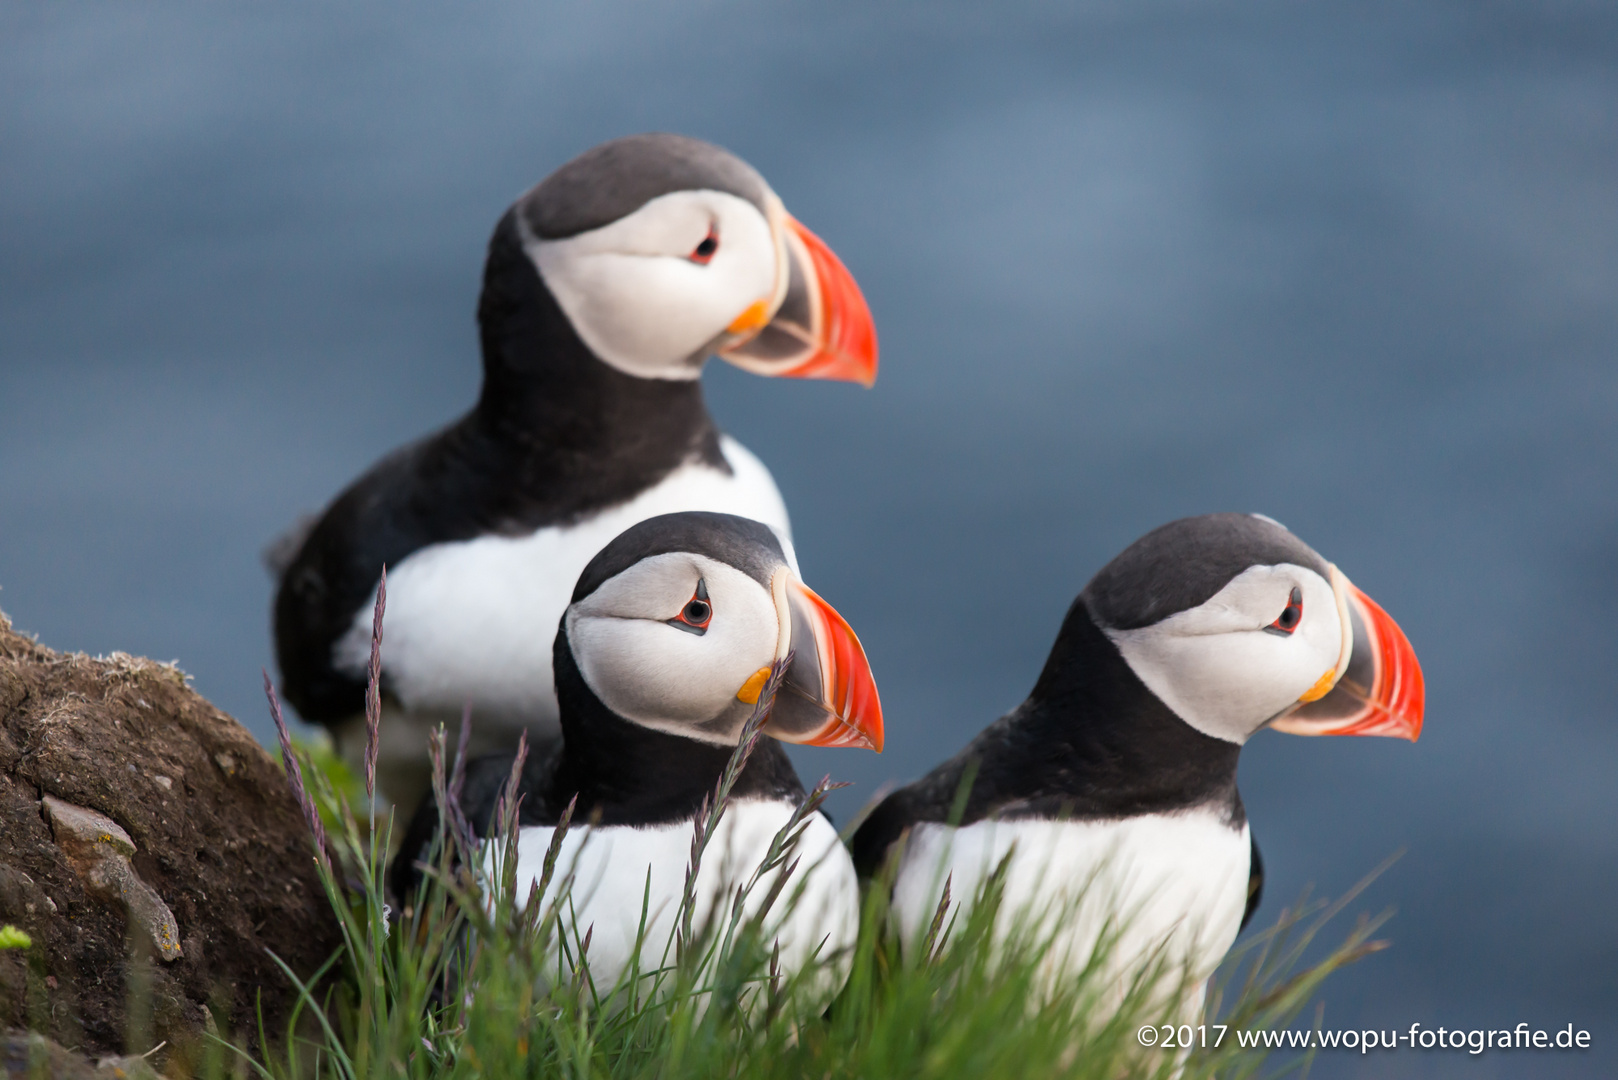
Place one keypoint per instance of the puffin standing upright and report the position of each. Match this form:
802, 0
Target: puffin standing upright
660, 659
606, 288
1113, 786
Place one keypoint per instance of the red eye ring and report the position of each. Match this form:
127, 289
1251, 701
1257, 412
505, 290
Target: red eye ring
704, 252
697, 613
1286, 622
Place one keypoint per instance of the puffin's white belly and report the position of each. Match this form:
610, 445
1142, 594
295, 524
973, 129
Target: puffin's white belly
474, 620
613, 867
1170, 882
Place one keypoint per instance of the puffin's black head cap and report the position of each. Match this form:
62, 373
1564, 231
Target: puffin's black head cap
1182, 564
615, 179
748, 545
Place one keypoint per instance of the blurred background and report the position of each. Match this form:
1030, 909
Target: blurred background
1354, 266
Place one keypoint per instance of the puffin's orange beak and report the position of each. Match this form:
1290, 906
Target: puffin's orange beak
828, 697
1380, 692
820, 329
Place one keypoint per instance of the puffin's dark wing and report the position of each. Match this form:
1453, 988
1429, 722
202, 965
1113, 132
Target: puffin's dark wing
1255, 885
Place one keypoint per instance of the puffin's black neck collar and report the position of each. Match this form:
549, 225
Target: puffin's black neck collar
633, 775
544, 389
1091, 741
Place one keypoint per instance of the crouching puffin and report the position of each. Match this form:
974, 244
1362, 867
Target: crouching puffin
660, 658
1113, 786
606, 288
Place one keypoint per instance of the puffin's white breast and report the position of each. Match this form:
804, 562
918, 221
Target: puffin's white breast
474, 620
613, 867
1167, 881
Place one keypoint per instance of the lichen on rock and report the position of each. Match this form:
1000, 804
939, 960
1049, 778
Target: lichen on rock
99, 850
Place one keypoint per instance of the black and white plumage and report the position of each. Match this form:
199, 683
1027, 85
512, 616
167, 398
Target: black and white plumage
605, 289
1115, 781
660, 659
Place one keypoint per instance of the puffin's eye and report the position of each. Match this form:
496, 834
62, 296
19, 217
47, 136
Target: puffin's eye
704, 252
697, 613
1289, 619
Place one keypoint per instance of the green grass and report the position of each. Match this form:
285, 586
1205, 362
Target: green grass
468, 983
463, 985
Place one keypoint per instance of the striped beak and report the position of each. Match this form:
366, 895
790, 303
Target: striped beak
828, 697
816, 326
1379, 688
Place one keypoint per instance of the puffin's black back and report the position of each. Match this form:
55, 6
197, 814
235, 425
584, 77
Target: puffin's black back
555, 434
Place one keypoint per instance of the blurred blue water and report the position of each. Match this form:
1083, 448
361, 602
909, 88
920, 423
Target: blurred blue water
1355, 266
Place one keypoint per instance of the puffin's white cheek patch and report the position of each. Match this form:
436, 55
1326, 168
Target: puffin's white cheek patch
644, 670
635, 297
1226, 686
654, 674
635, 311
1216, 666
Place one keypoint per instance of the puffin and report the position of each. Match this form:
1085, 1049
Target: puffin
1111, 790
606, 288
660, 659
